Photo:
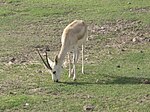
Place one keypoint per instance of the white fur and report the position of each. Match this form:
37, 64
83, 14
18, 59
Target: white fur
74, 35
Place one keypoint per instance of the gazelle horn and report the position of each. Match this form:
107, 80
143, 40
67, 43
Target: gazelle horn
45, 63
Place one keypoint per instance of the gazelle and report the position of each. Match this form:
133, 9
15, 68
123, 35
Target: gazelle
74, 35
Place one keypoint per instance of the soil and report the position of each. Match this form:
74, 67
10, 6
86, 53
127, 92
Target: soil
140, 10
123, 32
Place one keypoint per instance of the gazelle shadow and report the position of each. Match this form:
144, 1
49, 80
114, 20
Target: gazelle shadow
113, 80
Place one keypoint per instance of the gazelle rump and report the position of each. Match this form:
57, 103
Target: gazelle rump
74, 35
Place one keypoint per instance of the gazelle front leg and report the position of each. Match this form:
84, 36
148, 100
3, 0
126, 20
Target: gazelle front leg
69, 59
75, 59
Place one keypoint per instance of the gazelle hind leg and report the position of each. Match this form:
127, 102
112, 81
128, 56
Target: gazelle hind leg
82, 59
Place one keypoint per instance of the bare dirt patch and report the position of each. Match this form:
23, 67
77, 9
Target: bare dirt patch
30, 36
117, 36
2, 3
140, 10
9, 86
45, 36
124, 31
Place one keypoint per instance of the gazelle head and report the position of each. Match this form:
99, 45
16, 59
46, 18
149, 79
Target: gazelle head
53, 66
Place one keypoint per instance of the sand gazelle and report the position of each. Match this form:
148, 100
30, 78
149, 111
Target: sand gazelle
74, 35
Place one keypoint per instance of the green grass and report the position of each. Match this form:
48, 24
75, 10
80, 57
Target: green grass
116, 73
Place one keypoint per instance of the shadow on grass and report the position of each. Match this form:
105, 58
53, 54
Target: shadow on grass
113, 80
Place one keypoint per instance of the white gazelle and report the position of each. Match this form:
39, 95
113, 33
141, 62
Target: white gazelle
74, 35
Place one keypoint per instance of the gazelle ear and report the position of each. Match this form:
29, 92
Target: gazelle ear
50, 62
56, 59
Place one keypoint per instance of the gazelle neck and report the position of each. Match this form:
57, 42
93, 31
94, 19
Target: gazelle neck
62, 54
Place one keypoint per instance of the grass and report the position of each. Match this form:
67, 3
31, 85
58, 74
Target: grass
117, 69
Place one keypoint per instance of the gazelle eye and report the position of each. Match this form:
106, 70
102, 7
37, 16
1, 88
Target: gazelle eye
54, 72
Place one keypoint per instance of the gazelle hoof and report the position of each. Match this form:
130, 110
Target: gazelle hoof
74, 79
70, 75
56, 80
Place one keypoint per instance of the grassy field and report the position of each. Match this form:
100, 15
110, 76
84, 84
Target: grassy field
117, 66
